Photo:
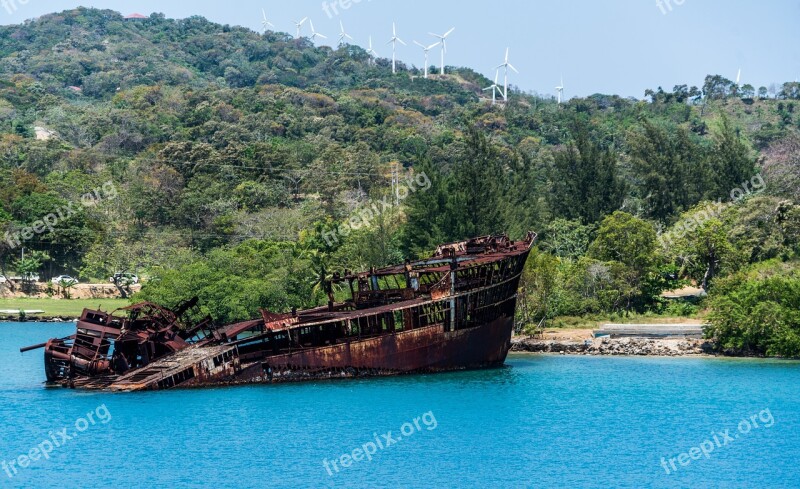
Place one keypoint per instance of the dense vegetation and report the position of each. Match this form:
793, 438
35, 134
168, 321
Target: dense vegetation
234, 154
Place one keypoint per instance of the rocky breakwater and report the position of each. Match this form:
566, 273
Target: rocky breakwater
615, 346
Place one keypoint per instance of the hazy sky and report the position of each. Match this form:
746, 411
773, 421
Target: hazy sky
605, 46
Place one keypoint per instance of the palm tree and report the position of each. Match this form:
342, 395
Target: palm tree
65, 286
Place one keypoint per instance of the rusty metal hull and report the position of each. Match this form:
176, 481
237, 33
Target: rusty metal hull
428, 349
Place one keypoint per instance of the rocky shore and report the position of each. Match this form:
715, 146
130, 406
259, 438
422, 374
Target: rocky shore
614, 346
36, 319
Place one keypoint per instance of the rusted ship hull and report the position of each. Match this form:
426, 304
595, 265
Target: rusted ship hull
454, 311
422, 350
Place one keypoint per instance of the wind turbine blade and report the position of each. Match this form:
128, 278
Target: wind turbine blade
434, 35
401, 42
265, 14
512, 67
394, 29
433, 46
419, 44
507, 55
304, 20
348, 36
325, 37
449, 32
341, 24
311, 23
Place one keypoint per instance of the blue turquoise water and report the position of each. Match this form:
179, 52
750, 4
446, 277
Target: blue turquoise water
546, 421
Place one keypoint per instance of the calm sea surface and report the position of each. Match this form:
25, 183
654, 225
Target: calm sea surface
541, 422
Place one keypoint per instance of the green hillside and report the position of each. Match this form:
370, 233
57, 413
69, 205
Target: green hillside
240, 167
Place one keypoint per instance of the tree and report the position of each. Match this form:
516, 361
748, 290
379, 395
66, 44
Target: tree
475, 190
427, 215
567, 239
585, 182
731, 161
538, 284
625, 239
66, 286
30, 266
627, 245
717, 87
781, 168
755, 312
670, 167
701, 246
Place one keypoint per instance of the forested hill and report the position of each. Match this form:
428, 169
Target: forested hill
100, 51
231, 153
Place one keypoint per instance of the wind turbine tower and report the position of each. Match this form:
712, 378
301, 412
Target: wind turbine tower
343, 36
494, 88
266, 23
299, 25
506, 65
314, 33
426, 49
443, 40
560, 90
371, 52
394, 42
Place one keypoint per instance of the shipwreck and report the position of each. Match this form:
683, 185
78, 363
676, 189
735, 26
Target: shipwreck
454, 311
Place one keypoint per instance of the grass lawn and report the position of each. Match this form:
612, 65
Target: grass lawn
62, 307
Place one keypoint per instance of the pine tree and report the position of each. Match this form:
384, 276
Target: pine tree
426, 213
475, 191
585, 182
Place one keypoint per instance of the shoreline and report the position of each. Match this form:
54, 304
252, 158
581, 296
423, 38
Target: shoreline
38, 319
667, 347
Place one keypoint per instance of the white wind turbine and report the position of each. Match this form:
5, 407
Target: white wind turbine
560, 89
299, 25
426, 49
266, 23
739, 76
394, 42
506, 65
314, 33
495, 87
343, 36
373, 54
443, 40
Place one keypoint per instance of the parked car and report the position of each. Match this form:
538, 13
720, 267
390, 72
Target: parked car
65, 279
124, 279
30, 277
3, 279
